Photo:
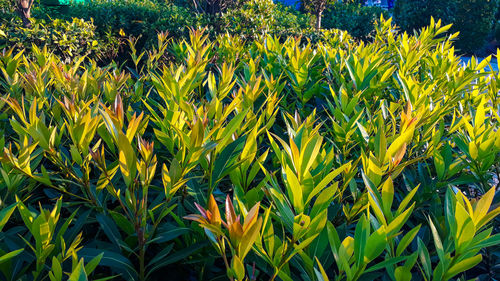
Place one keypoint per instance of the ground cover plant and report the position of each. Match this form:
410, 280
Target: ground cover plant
269, 159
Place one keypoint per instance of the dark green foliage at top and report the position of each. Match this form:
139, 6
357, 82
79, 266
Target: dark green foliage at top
6, 10
146, 18
136, 18
68, 39
258, 17
355, 18
410, 15
133, 16
474, 19
497, 31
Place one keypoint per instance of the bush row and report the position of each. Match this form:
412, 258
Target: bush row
111, 21
474, 19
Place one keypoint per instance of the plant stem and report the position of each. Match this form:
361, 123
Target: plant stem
223, 254
141, 263
142, 250
227, 264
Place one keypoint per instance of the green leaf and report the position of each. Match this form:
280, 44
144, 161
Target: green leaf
374, 198
439, 164
161, 255
238, 268
78, 273
401, 274
384, 264
56, 269
122, 222
225, 135
463, 266
128, 159
362, 129
406, 240
387, 197
92, 264
360, 238
109, 228
424, 258
295, 190
10, 255
5, 214
169, 234
324, 199
437, 240
107, 278
491, 241
399, 221
224, 162
115, 261
376, 244
333, 238
406, 200
321, 274
325, 181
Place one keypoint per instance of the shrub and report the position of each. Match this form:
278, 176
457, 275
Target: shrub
132, 16
177, 21
357, 19
497, 24
7, 10
139, 18
212, 7
413, 15
259, 17
67, 39
474, 19
497, 31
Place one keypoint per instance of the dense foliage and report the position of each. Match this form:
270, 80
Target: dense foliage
68, 39
145, 18
474, 19
358, 20
342, 160
411, 15
260, 17
477, 21
134, 17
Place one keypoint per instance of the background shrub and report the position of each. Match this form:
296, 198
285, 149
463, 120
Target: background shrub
138, 18
134, 17
177, 21
410, 15
355, 18
497, 23
67, 39
258, 17
497, 31
6, 10
474, 19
